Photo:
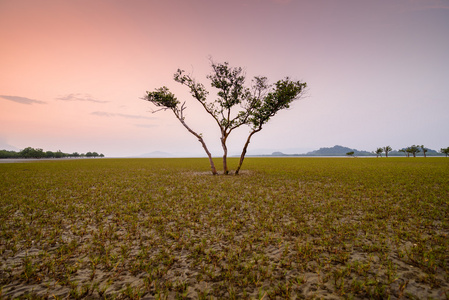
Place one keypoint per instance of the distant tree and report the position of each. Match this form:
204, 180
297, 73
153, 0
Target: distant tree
92, 154
101, 155
30, 152
8, 154
58, 154
445, 151
424, 150
413, 150
40, 153
409, 151
379, 152
351, 153
257, 104
405, 151
386, 150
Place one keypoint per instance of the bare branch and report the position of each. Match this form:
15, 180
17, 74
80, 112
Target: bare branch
157, 110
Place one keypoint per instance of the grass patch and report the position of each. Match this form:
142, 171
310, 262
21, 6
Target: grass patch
165, 228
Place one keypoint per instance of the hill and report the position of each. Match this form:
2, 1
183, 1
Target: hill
337, 151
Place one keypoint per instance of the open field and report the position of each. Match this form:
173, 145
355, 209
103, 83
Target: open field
285, 228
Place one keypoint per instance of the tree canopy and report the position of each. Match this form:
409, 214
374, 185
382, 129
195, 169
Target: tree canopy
379, 152
445, 151
387, 149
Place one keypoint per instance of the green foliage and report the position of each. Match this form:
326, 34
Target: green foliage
197, 90
30, 152
379, 152
162, 97
289, 228
8, 154
230, 83
424, 150
413, 150
92, 154
280, 97
445, 151
387, 149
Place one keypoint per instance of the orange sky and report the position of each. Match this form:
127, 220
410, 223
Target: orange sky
73, 72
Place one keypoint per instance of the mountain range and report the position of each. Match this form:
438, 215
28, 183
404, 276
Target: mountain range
338, 150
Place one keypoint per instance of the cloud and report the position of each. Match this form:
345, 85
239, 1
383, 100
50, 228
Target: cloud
22, 100
145, 125
106, 114
80, 97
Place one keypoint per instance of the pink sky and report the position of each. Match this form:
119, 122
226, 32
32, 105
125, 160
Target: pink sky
72, 72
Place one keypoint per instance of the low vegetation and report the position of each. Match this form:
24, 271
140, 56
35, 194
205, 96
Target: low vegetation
166, 228
31, 152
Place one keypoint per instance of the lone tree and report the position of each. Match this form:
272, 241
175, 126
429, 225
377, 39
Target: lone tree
257, 103
445, 151
386, 150
231, 92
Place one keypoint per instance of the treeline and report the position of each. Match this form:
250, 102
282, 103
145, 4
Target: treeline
337, 150
30, 152
410, 151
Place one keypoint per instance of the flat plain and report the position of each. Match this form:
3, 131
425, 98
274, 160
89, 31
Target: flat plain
286, 228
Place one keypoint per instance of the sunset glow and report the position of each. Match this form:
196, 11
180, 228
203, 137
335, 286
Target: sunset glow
73, 72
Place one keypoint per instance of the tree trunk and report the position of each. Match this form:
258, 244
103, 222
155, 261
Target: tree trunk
225, 154
200, 139
212, 165
242, 156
